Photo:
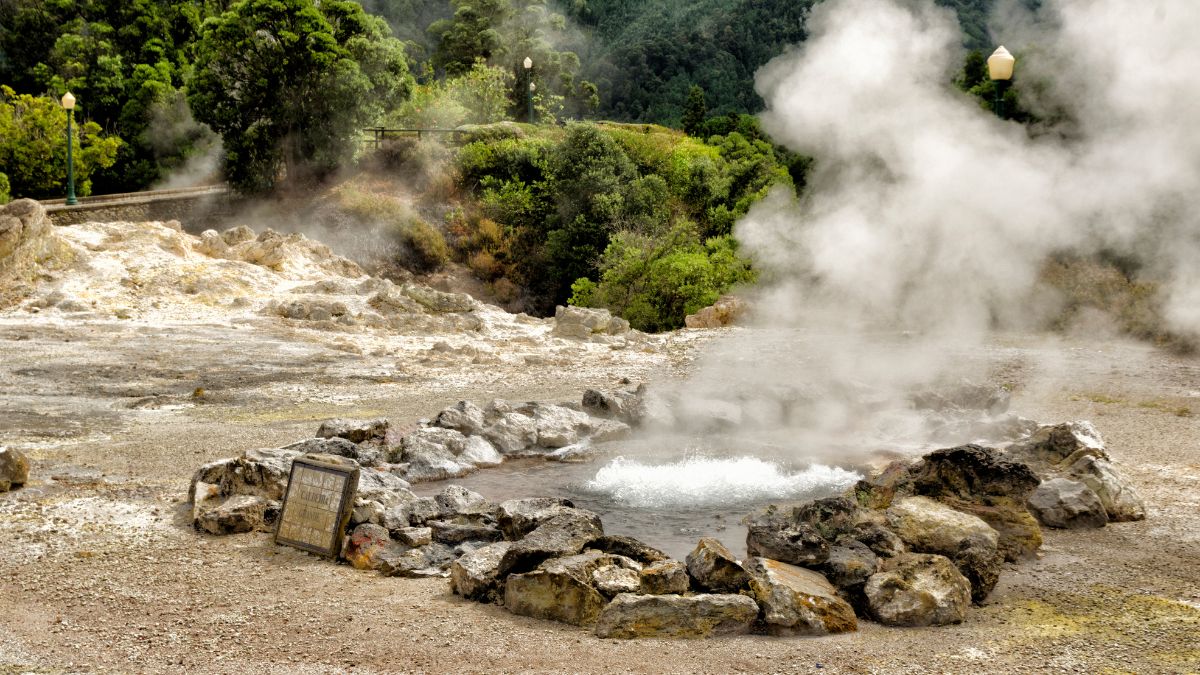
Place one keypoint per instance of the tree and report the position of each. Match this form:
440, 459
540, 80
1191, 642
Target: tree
695, 112
32, 151
290, 83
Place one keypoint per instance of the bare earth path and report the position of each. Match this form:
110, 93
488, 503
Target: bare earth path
99, 571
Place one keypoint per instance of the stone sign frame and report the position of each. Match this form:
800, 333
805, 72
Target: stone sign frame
316, 510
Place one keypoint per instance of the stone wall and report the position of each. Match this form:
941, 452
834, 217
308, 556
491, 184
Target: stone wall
197, 209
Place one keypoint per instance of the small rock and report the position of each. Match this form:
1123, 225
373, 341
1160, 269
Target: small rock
614, 579
797, 601
14, 469
714, 568
464, 417
355, 431
414, 536
456, 533
629, 547
458, 500
664, 577
365, 455
365, 546
433, 560
519, 517
476, 575
676, 616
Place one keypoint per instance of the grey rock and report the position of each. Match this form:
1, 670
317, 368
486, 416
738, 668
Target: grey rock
384, 487
14, 468
476, 575
452, 533
562, 535
676, 616
414, 536
464, 417
664, 577
1121, 501
798, 601
618, 405
429, 461
714, 568
1067, 504
1058, 446
258, 473
583, 322
433, 560
519, 517
849, 566
918, 589
355, 431
479, 451
458, 500
558, 426
512, 433
629, 547
774, 533
560, 589
368, 454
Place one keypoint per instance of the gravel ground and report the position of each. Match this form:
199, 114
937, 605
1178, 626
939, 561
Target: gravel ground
100, 571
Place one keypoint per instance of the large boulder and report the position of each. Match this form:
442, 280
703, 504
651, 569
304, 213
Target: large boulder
676, 616
797, 601
560, 589
983, 482
918, 589
14, 469
25, 238
1067, 504
479, 451
714, 568
927, 526
476, 575
562, 535
432, 454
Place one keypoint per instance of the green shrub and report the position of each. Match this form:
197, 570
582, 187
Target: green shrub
4, 195
655, 283
420, 246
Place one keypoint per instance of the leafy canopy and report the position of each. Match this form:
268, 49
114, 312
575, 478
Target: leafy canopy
290, 83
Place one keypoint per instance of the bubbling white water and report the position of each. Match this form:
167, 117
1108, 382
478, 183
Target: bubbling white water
709, 481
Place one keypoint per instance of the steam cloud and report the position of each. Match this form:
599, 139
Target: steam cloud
928, 215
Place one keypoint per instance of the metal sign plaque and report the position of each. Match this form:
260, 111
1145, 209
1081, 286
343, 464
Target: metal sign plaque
317, 505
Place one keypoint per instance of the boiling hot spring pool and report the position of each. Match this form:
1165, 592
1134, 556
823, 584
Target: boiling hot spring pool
668, 500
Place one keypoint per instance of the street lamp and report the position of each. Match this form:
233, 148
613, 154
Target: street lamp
68, 103
529, 96
1000, 70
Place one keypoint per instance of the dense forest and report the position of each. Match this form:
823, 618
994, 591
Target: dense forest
272, 94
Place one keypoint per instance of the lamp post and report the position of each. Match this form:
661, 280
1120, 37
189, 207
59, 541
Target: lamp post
529, 93
1000, 70
68, 102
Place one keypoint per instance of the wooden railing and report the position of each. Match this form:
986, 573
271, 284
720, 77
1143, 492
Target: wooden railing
380, 134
